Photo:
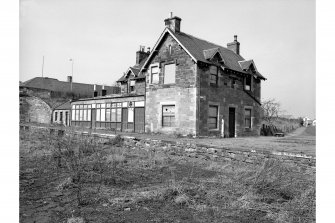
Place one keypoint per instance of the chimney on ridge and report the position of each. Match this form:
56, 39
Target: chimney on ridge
95, 92
103, 91
69, 79
234, 46
141, 55
173, 23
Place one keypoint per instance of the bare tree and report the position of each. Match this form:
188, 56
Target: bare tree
271, 110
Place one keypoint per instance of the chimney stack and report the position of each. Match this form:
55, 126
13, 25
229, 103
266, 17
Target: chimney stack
103, 91
173, 23
69, 79
141, 55
95, 92
234, 46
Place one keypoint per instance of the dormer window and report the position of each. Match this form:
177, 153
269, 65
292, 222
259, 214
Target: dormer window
213, 80
213, 55
132, 85
248, 81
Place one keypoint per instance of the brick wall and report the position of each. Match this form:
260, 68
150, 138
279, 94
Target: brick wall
182, 94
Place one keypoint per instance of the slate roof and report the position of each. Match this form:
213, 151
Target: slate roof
208, 54
135, 69
53, 84
197, 47
64, 106
245, 64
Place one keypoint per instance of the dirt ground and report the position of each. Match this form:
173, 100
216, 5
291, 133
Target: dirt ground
302, 140
150, 185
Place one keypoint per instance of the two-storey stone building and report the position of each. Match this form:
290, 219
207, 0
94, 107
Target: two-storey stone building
192, 86
197, 87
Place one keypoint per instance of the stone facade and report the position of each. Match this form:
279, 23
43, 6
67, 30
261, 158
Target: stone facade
192, 94
228, 93
138, 88
34, 109
182, 93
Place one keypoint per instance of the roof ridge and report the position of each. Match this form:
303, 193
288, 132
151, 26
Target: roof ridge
217, 45
206, 41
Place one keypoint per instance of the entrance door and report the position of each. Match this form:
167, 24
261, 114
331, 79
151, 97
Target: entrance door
124, 119
93, 117
66, 118
231, 126
139, 120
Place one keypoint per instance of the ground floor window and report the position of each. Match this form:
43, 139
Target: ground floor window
130, 114
81, 113
168, 116
247, 117
213, 117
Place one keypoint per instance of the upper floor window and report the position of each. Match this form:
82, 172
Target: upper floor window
248, 81
154, 75
56, 116
169, 73
214, 75
132, 86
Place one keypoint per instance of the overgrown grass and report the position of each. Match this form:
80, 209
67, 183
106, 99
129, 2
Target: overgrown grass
109, 180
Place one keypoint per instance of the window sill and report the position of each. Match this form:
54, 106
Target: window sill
213, 130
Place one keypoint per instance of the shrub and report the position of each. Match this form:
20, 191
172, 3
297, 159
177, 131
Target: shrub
117, 141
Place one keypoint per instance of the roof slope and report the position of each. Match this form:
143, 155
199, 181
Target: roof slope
64, 106
53, 84
135, 69
199, 48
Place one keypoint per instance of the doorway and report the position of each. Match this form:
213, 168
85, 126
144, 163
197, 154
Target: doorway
124, 119
231, 124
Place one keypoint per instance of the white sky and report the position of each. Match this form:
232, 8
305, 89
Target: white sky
103, 35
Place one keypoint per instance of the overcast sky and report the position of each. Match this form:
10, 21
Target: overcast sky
102, 37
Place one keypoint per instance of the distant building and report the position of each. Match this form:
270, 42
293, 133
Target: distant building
40, 95
61, 114
67, 88
307, 121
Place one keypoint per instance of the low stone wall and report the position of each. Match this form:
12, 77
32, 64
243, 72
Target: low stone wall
218, 153
196, 150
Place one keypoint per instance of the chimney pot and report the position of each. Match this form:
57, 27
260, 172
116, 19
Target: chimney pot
235, 38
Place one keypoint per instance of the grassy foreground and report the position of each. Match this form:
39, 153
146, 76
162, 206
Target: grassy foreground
68, 178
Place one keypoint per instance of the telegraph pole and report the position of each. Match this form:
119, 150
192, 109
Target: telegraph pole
42, 66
